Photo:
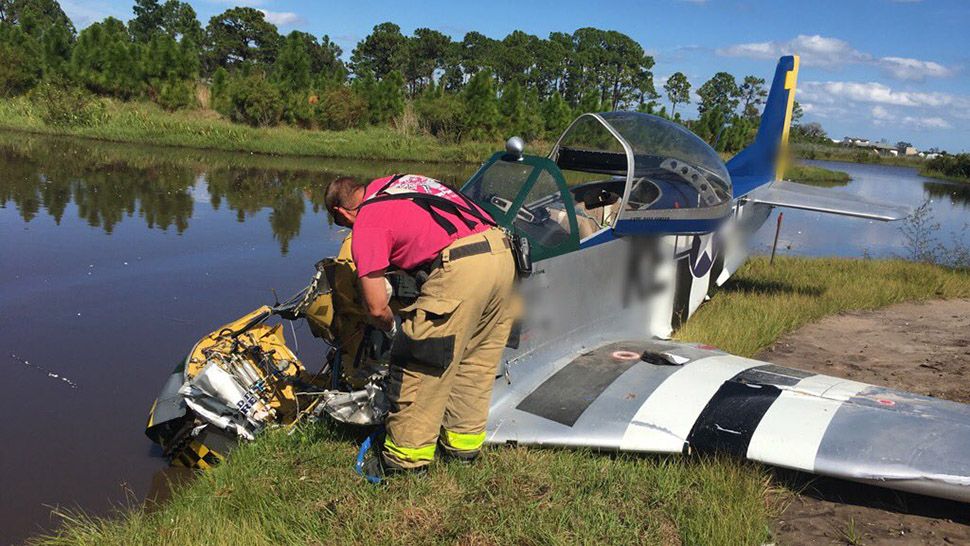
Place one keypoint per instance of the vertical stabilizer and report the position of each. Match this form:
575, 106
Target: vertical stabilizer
763, 161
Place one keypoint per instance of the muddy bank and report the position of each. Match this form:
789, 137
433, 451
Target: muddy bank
918, 347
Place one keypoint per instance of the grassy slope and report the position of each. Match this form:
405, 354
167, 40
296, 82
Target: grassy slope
145, 123
764, 302
300, 488
816, 176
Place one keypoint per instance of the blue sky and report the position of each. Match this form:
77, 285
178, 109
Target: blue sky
893, 69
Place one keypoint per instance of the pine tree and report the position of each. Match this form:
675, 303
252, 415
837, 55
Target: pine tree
520, 112
556, 114
106, 60
481, 107
389, 95
512, 108
365, 86
590, 102
292, 68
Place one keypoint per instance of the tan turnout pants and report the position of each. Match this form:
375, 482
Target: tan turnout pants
445, 358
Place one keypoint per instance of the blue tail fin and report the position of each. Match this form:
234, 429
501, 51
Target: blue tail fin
763, 161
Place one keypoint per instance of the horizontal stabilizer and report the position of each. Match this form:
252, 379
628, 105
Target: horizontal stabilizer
800, 196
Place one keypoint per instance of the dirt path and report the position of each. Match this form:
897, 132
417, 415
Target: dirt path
918, 347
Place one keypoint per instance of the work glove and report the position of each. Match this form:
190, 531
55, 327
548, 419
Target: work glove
379, 342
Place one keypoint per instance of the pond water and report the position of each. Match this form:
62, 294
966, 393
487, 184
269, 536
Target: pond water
815, 234
115, 259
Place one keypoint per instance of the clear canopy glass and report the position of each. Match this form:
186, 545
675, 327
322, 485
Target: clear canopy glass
663, 171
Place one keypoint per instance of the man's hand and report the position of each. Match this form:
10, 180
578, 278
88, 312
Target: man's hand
374, 289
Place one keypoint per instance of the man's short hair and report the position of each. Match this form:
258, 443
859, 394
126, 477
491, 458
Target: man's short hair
340, 193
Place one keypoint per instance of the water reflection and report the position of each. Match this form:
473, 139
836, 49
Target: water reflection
111, 182
957, 193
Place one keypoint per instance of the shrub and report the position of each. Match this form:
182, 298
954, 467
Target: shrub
955, 166
252, 100
298, 109
341, 108
173, 95
62, 104
442, 115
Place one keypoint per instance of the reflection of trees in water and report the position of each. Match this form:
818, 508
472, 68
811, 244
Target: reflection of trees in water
957, 192
109, 182
248, 191
103, 194
106, 190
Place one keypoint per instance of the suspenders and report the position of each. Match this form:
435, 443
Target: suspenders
432, 204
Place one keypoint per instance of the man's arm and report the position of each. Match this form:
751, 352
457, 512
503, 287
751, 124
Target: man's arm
374, 289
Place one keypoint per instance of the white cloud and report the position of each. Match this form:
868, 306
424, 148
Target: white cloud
815, 50
879, 113
874, 93
282, 18
833, 53
924, 123
902, 68
882, 105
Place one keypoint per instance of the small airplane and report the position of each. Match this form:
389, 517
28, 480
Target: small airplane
632, 220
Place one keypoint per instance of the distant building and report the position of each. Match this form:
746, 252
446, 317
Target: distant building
855, 141
908, 151
881, 147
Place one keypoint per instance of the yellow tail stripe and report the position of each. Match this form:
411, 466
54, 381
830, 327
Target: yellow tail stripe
413, 454
791, 81
464, 442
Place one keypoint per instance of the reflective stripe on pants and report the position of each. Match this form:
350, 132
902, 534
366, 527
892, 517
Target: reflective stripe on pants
460, 441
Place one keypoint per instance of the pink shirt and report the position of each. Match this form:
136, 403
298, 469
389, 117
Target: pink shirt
399, 233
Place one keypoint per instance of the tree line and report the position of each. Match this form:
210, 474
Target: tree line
241, 66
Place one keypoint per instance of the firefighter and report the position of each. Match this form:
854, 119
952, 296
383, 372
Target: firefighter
445, 354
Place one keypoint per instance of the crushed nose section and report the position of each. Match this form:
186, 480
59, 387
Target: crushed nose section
242, 379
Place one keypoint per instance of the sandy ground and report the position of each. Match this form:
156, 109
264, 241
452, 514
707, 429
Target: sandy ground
918, 347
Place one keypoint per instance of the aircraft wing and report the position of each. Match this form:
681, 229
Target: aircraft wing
663, 397
800, 196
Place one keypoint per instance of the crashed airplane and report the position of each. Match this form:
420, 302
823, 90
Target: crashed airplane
632, 221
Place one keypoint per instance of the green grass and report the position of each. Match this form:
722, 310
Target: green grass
816, 176
300, 489
943, 176
145, 123
848, 154
102, 156
763, 302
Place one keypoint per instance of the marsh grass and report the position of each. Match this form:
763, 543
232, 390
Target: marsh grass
932, 173
816, 176
300, 489
146, 123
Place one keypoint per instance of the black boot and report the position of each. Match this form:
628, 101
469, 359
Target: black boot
448, 455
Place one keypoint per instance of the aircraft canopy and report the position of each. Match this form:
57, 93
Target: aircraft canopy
670, 180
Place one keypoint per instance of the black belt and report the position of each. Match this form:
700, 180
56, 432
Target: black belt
464, 251
407, 287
